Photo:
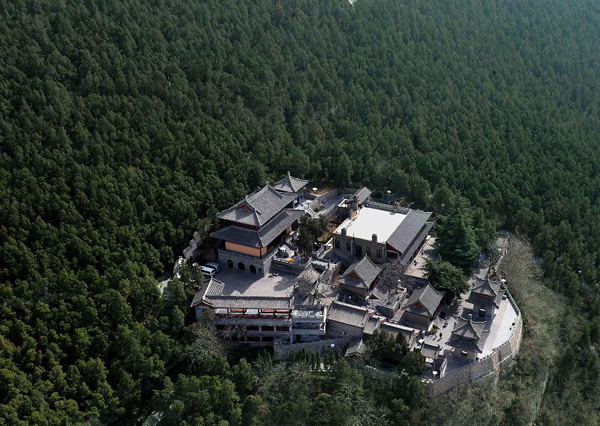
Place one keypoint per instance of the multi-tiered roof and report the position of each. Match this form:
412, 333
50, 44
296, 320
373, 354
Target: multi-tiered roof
468, 335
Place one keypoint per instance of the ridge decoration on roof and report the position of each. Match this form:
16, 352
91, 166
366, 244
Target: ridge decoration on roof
290, 184
424, 299
361, 274
257, 208
486, 292
469, 335
262, 237
487, 288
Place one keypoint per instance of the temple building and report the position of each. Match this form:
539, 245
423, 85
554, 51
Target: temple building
256, 226
382, 232
486, 297
423, 307
360, 278
468, 338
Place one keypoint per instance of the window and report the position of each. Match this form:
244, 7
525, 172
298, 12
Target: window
348, 246
253, 269
241, 266
368, 250
379, 252
230, 263
337, 243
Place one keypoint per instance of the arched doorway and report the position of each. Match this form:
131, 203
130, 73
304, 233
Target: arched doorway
253, 269
241, 266
230, 263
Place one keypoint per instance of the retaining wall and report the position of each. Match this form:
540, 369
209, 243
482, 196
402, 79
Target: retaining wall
483, 368
282, 350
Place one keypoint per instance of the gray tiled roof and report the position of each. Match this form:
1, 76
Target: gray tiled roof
430, 351
395, 329
468, 335
249, 302
361, 274
362, 194
309, 275
348, 314
486, 293
214, 287
408, 230
408, 254
356, 347
372, 324
427, 297
487, 287
257, 208
213, 296
290, 184
264, 236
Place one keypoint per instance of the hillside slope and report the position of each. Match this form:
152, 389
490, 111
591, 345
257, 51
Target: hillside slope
126, 125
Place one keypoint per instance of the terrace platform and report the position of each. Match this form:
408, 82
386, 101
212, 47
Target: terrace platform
240, 283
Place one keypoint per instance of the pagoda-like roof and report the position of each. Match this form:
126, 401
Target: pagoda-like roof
361, 274
264, 236
468, 335
290, 184
486, 292
257, 208
487, 287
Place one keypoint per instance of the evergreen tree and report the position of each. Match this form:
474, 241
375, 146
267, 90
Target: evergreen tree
455, 236
447, 278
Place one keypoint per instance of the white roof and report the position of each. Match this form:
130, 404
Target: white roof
369, 221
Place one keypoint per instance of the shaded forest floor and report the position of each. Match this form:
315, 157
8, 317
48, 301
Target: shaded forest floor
516, 397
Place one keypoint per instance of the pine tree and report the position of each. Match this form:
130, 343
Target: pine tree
456, 241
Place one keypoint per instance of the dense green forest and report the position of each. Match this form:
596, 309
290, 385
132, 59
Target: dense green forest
126, 125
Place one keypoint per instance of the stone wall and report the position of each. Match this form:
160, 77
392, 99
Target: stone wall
485, 367
262, 265
283, 350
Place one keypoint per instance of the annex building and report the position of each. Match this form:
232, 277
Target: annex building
383, 233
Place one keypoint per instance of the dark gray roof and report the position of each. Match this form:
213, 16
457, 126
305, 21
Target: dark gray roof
361, 274
248, 302
372, 324
257, 208
486, 293
264, 236
408, 254
356, 347
468, 335
424, 300
309, 275
348, 314
213, 296
362, 194
430, 351
487, 287
214, 287
395, 329
290, 184
408, 230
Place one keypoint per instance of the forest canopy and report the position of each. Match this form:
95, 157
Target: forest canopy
126, 125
